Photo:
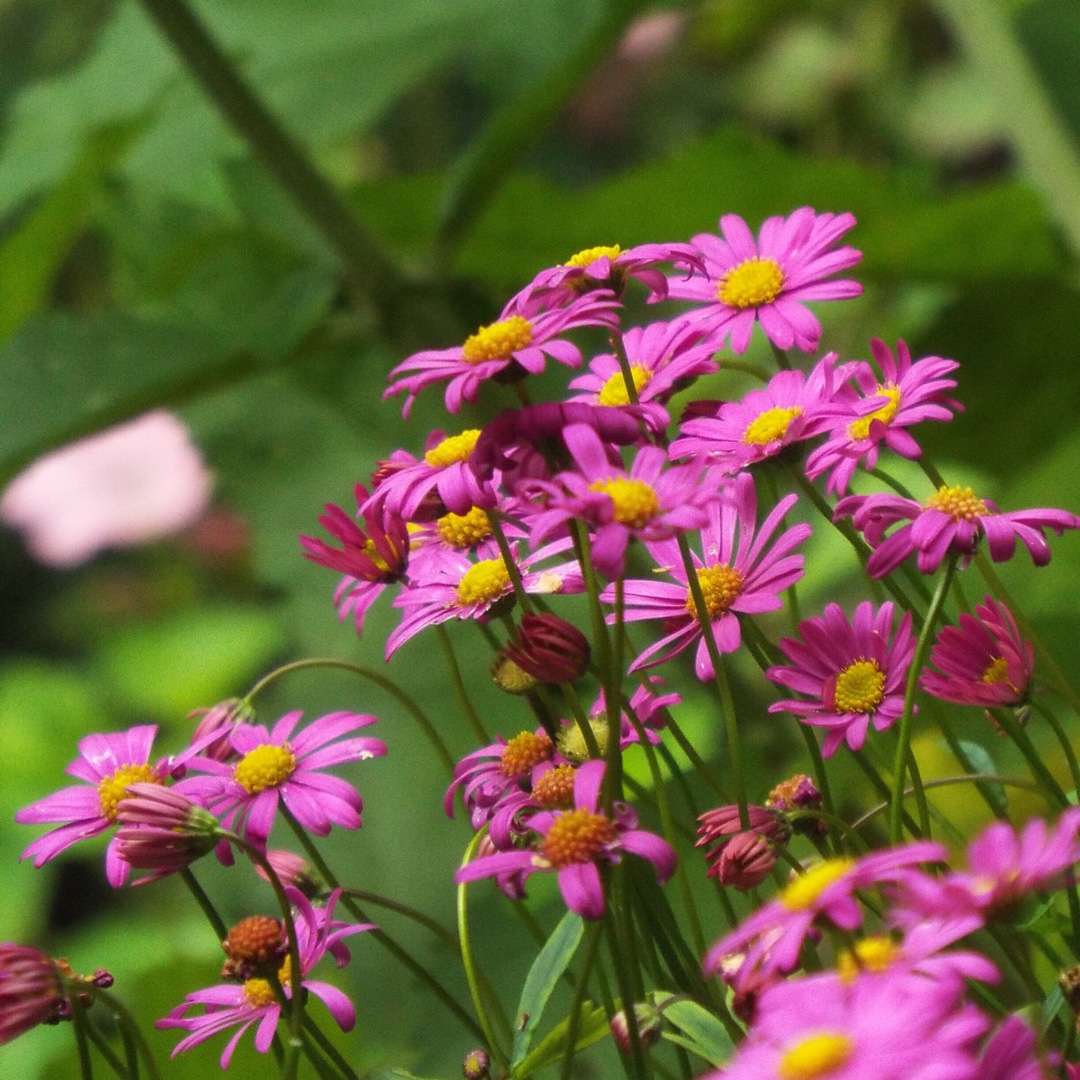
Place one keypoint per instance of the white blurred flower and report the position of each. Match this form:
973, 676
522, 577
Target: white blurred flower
121, 487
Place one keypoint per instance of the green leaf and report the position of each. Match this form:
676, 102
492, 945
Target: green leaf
546, 971
591, 1029
980, 757
705, 1035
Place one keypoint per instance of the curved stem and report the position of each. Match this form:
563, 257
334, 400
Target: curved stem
1063, 739
329, 1049
460, 690
204, 903
79, 1022
127, 1023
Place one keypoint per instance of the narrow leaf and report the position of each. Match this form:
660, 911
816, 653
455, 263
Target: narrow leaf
592, 1028
705, 1035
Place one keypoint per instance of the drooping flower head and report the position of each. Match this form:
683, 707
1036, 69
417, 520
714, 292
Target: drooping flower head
852, 673
30, 990
908, 394
983, 661
769, 280
737, 576
162, 830
951, 522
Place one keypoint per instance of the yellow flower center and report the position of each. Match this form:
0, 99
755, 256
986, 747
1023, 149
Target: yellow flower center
259, 993
959, 503
859, 687
997, 672
720, 586
751, 284
499, 341
524, 751
113, 789
482, 582
770, 426
555, 789
804, 891
464, 530
815, 1057
576, 837
590, 255
634, 502
373, 554
860, 429
613, 392
874, 954
264, 767
453, 450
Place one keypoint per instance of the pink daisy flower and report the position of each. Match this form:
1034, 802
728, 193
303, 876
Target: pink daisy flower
574, 841
665, 357
280, 765
952, 521
253, 1001
651, 502
520, 341
770, 279
853, 673
737, 576
907, 394
106, 765
984, 661
791, 408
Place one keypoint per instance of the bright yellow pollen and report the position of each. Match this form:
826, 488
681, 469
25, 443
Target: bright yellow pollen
634, 503
874, 954
259, 993
524, 751
751, 284
498, 341
860, 429
815, 1057
464, 530
453, 449
860, 688
720, 586
997, 672
576, 837
590, 255
770, 426
959, 502
264, 767
482, 582
113, 789
803, 892
613, 392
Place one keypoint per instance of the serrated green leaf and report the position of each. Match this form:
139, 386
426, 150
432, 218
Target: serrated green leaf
546, 971
705, 1035
591, 1029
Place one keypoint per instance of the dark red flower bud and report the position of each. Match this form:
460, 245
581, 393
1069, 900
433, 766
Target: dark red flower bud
746, 861
550, 649
648, 1026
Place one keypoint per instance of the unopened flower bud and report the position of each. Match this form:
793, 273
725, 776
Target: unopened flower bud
506, 675
476, 1065
222, 717
293, 870
798, 793
163, 830
648, 1026
746, 861
550, 649
254, 945
572, 744
718, 827
1069, 981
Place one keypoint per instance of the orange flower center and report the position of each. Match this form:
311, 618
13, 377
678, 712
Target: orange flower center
720, 586
524, 751
498, 341
751, 284
577, 837
555, 789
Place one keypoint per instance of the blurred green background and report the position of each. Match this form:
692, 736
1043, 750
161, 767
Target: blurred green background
148, 257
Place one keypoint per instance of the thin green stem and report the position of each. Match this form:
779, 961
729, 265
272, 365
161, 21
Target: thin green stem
783, 362
460, 690
205, 903
573, 1021
106, 1051
128, 1024
329, 1049
1063, 740
512, 568
310, 1050
701, 766
1008, 723
639, 1066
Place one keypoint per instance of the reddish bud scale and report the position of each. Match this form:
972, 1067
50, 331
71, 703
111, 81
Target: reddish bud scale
550, 649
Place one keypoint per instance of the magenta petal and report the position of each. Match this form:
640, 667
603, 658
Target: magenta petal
341, 1008
649, 846
580, 886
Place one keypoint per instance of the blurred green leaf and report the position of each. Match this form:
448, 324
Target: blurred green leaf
705, 1035
592, 1027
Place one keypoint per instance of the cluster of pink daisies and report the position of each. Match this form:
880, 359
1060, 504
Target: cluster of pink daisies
862, 965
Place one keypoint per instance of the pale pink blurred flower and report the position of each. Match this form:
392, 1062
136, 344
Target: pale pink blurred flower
121, 487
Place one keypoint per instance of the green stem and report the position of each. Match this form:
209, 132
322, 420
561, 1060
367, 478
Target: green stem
460, 690
79, 1022
573, 1023
127, 1024
106, 1051
639, 1069
318, 1063
329, 1049
512, 568
783, 362
1063, 739
903, 741
371, 270
205, 903
701, 767
1019, 736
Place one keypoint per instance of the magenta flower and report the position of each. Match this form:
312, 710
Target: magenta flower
665, 357
738, 576
984, 661
254, 1002
1012, 1053
30, 990
520, 341
162, 830
574, 842
107, 765
790, 409
651, 502
907, 394
769, 280
852, 673
278, 765
952, 521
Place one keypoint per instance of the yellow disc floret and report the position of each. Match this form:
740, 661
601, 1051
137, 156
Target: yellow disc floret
804, 891
259, 993
721, 586
453, 450
113, 789
577, 837
634, 503
860, 429
524, 751
498, 341
751, 284
770, 426
997, 672
483, 582
960, 503
860, 687
874, 954
555, 789
590, 255
464, 530
816, 1057
264, 767
613, 392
